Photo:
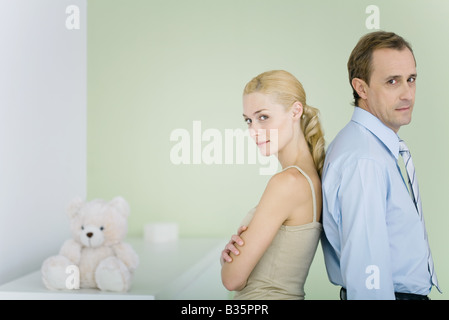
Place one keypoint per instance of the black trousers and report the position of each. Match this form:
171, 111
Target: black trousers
399, 296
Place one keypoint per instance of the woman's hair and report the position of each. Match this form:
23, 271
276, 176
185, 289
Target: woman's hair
360, 60
286, 90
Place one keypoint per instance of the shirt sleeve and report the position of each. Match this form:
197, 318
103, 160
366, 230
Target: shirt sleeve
365, 260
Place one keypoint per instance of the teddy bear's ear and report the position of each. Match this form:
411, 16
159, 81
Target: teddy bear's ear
121, 204
74, 207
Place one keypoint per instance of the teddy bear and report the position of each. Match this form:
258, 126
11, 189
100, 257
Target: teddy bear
96, 249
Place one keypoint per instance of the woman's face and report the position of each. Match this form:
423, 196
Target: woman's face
270, 124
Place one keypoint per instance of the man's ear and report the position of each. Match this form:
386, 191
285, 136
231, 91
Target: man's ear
360, 86
297, 110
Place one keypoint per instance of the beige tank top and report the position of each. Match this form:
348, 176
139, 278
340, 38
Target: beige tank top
282, 271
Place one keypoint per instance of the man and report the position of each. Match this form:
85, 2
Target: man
375, 243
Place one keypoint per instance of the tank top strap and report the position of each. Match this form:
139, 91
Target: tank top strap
311, 186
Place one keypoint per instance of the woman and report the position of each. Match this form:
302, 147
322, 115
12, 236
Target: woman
281, 234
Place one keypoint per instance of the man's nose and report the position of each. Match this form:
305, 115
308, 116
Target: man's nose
408, 92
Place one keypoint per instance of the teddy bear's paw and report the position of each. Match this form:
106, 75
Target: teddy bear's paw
112, 275
54, 273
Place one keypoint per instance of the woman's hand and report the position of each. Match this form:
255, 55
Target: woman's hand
230, 247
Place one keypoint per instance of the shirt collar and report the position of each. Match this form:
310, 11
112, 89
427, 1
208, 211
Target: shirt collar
387, 136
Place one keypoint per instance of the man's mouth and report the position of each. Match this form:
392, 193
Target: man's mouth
403, 108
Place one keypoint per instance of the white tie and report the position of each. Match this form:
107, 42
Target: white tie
413, 183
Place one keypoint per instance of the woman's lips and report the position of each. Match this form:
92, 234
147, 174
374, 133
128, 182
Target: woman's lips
262, 143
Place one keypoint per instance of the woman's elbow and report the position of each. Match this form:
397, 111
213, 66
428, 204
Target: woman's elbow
232, 283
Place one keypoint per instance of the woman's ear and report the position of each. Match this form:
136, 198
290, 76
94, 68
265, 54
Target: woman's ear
360, 86
297, 110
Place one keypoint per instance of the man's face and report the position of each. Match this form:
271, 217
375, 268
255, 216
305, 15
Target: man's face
390, 95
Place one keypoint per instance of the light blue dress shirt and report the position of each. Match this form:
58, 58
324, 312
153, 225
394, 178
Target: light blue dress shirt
374, 242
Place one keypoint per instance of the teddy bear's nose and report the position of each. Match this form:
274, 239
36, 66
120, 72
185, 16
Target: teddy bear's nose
89, 234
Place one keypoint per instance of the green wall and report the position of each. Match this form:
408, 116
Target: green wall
157, 66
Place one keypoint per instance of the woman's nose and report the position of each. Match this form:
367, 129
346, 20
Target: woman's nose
252, 132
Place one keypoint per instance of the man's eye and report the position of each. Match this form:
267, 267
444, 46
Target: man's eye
392, 81
412, 79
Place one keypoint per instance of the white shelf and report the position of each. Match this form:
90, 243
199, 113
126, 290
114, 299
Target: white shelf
186, 269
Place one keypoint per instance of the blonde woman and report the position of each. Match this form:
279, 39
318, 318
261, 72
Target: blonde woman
270, 256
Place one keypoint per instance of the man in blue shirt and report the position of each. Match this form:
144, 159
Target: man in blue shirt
374, 243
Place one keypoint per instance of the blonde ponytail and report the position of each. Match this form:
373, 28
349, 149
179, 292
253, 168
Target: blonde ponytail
313, 133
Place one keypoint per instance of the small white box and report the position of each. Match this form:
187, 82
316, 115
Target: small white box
161, 232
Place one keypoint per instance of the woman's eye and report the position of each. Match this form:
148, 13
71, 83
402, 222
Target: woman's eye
248, 121
263, 117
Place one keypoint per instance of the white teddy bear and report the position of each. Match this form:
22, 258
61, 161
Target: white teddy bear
97, 249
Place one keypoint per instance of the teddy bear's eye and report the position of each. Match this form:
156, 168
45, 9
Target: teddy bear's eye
101, 228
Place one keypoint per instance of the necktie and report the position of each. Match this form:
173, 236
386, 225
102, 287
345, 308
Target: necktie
414, 191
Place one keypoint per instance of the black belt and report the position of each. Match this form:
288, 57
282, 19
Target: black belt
398, 295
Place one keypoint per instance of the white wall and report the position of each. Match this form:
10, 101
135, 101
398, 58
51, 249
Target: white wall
42, 128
